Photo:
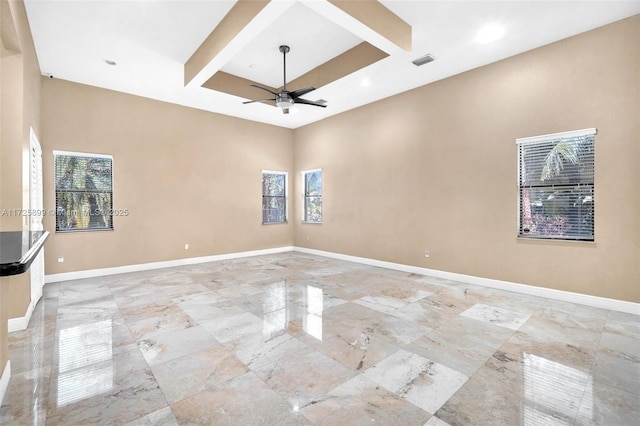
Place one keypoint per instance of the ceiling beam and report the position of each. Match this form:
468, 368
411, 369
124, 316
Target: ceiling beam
342, 65
209, 57
238, 86
377, 17
334, 69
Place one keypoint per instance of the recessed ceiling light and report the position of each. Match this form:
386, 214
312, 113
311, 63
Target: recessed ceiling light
490, 33
110, 62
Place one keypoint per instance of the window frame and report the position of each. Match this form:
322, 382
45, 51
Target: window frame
576, 184
285, 196
109, 226
306, 196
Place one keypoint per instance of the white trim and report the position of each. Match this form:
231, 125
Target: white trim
561, 135
4, 380
65, 276
21, 323
319, 169
274, 172
566, 296
81, 154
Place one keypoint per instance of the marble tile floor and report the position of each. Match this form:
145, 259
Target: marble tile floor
296, 339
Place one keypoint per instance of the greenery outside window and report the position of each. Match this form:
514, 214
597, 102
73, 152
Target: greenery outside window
84, 191
274, 197
556, 186
312, 209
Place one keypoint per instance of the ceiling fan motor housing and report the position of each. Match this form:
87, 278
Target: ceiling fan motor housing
284, 100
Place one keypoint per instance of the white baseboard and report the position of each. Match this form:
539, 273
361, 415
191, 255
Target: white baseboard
566, 296
66, 276
21, 323
4, 380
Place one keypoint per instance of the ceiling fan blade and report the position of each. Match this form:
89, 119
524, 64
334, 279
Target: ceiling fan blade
301, 92
259, 100
263, 88
306, 102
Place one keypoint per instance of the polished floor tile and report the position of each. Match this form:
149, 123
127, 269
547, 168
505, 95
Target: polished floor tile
419, 380
297, 339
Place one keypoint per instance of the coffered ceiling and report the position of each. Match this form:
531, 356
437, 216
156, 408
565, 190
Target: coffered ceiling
205, 53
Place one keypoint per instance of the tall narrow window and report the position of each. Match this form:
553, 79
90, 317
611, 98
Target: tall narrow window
556, 186
274, 197
84, 191
312, 212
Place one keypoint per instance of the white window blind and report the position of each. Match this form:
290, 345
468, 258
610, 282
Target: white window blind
35, 183
84, 191
556, 186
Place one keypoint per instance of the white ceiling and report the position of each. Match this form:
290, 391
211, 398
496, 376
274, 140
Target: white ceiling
150, 40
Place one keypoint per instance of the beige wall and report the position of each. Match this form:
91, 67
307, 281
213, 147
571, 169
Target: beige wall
435, 168
184, 175
19, 110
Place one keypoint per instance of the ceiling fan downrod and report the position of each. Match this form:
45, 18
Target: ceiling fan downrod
284, 49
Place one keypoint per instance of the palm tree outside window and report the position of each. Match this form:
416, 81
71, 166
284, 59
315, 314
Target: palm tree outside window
84, 191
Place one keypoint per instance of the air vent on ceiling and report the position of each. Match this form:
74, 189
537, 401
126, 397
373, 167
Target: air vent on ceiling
423, 60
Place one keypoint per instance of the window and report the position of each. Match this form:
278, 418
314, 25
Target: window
556, 192
84, 191
312, 212
274, 197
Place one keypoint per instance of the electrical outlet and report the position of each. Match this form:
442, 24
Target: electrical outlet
426, 253
186, 246
60, 259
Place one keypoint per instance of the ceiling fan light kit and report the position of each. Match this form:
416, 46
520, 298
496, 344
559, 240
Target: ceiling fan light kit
286, 99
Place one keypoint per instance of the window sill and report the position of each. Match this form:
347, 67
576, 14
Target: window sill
541, 240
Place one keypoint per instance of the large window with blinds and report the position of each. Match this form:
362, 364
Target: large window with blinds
312, 206
84, 191
556, 186
274, 197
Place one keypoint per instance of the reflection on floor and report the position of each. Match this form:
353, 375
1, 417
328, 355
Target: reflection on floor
296, 339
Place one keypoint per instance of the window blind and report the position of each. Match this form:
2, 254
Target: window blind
84, 191
556, 186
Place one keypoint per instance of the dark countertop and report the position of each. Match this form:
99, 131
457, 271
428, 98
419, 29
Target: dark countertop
18, 249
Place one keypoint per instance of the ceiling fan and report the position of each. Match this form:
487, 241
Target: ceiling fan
285, 99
